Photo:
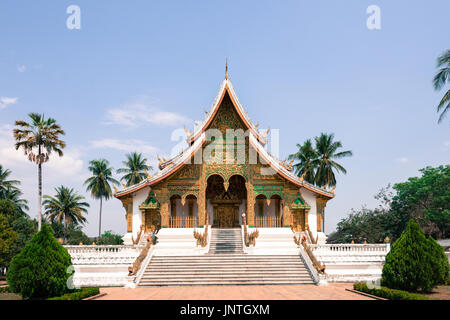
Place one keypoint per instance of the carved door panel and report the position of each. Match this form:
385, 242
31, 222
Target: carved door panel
298, 218
225, 217
152, 220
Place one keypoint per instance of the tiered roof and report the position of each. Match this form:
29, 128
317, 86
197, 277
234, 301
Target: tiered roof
198, 137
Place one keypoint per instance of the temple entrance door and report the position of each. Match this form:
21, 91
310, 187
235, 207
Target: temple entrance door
298, 219
226, 216
152, 220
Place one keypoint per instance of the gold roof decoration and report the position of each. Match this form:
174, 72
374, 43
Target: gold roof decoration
265, 133
124, 185
226, 68
332, 190
188, 133
115, 188
148, 175
302, 177
160, 160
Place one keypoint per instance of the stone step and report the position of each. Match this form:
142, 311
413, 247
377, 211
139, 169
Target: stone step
224, 283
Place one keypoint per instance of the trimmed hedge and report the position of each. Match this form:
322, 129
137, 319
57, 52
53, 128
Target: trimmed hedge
414, 262
391, 294
80, 294
41, 269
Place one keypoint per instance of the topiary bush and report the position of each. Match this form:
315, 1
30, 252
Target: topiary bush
413, 262
40, 270
440, 263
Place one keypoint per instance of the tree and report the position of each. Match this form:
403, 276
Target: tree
6, 184
135, 168
326, 149
39, 139
440, 79
307, 158
110, 238
411, 264
426, 199
67, 207
7, 238
40, 270
21, 224
14, 195
98, 183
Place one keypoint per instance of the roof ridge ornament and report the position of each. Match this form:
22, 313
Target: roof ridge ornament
226, 68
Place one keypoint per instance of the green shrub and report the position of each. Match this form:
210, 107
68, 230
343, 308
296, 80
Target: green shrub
40, 270
440, 263
413, 262
4, 289
110, 238
391, 294
79, 294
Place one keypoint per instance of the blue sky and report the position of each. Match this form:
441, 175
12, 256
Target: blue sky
303, 67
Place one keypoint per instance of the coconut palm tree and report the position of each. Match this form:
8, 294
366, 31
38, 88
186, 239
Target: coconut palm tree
14, 195
6, 184
66, 207
135, 168
326, 149
39, 138
307, 158
98, 183
440, 79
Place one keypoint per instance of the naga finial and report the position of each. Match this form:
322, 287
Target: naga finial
332, 190
124, 185
148, 175
303, 176
115, 189
266, 132
291, 162
188, 133
160, 160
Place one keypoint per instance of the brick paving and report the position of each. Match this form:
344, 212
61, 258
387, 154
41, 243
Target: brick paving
334, 291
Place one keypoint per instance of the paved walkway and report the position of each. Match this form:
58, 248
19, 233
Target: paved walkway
334, 291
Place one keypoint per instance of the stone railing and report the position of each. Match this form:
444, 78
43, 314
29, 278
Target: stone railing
103, 255
342, 253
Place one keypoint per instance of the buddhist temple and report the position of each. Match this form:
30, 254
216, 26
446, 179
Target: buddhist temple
224, 185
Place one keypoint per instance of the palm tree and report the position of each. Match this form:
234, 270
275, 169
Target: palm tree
14, 195
98, 183
67, 206
135, 168
5, 184
442, 77
39, 139
307, 158
326, 149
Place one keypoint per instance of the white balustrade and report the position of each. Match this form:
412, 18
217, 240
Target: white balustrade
340, 253
103, 255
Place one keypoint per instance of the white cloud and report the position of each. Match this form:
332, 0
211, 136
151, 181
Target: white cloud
21, 68
142, 111
69, 165
5, 101
402, 160
125, 145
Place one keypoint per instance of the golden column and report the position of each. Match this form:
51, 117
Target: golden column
286, 214
164, 207
250, 204
202, 203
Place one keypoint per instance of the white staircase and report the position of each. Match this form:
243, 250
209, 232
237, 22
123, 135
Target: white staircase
225, 264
